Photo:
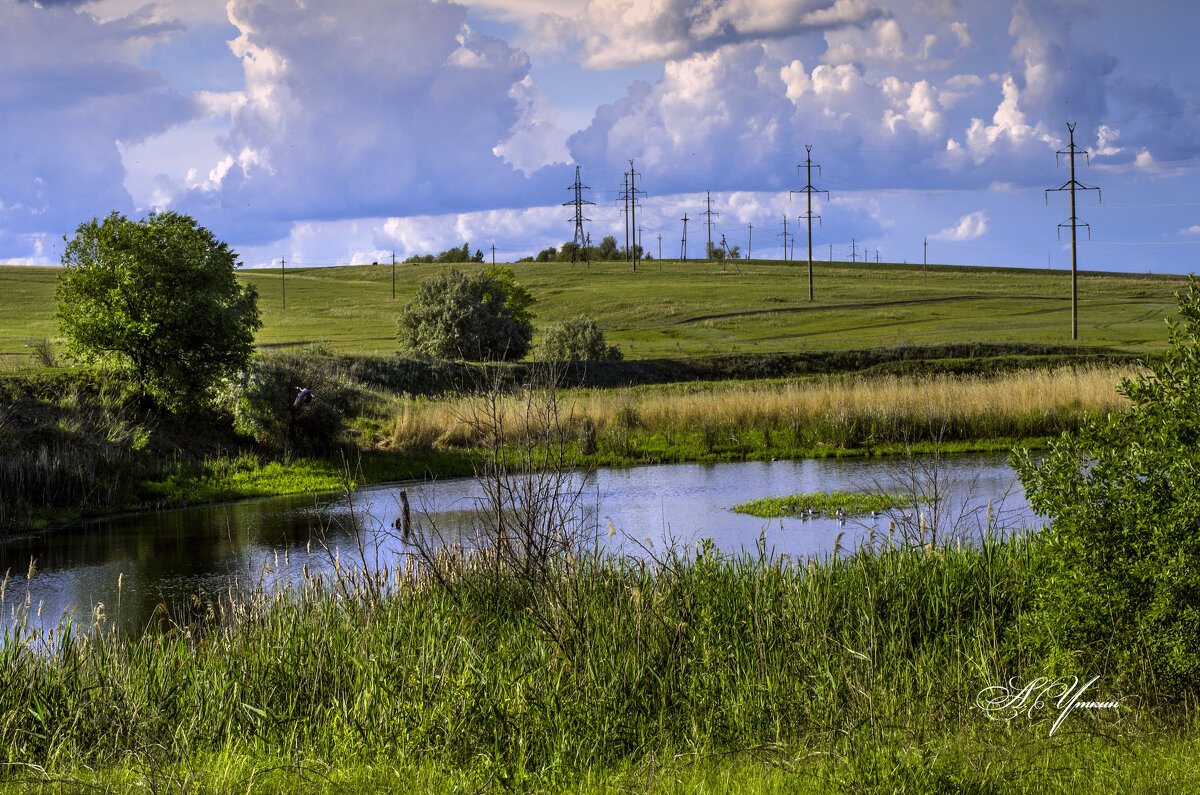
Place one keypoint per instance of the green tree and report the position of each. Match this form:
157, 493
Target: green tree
608, 248
157, 298
519, 300
577, 339
462, 316
1121, 585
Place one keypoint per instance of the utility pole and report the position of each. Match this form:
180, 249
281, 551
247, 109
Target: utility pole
494, 256
831, 252
625, 198
637, 250
578, 202
809, 190
784, 234
394, 272
1073, 185
282, 280
708, 212
660, 252
925, 260
749, 239
683, 242
853, 250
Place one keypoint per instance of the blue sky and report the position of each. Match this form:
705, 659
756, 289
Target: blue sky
339, 131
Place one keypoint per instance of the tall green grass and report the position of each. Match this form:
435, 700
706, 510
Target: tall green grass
857, 669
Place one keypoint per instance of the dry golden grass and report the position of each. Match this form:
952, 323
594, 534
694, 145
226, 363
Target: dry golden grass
989, 405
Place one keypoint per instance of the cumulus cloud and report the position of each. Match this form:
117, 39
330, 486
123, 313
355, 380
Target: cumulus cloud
968, 227
72, 92
362, 109
1194, 229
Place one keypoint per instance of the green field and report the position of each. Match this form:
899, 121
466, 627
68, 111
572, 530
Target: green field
695, 308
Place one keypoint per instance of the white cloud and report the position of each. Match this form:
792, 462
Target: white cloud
1194, 229
536, 140
968, 227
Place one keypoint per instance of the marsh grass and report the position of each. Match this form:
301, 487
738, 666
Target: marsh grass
835, 413
848, 503
851, 671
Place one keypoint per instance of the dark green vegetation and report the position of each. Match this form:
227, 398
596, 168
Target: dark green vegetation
849, 503
1123, 497
859, 673
156, 299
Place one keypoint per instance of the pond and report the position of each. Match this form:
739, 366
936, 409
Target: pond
131, 564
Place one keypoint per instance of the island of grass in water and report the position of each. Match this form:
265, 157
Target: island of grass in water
850, 503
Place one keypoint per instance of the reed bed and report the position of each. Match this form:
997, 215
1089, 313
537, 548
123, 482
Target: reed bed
838, 412
452, 667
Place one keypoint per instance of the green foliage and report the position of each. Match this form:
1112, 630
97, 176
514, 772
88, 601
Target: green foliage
462, 316
607, 249
159, 299
853, 503
547, 255
519, 300
260, 398
1123, 545
451, 255
577, 339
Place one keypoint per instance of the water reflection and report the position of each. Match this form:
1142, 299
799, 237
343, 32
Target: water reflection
167, 557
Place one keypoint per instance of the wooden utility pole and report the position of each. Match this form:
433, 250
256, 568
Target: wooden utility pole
708, 212
393, 274
749, 239
283, 280
1073, 185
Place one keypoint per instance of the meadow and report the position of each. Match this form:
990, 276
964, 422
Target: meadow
694, 308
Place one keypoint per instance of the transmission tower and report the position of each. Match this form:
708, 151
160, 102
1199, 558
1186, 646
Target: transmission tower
580, 239
683, 242
1073, 185
708, 212
784, 235
809, 190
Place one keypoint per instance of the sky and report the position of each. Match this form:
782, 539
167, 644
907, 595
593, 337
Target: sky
334, 132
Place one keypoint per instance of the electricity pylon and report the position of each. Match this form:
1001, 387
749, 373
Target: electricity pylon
809, 190
1073, 185
580, 239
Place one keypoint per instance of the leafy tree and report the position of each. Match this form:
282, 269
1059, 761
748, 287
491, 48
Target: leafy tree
547, 254
157, 298
577, 339
519, 300
1121, 587
735, 252
715, 251
608, 248
462, 316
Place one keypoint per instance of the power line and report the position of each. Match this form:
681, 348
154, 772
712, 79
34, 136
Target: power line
1073, 185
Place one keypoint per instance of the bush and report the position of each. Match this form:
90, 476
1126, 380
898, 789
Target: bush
1122, 587
259, 400
463, 316
578, 339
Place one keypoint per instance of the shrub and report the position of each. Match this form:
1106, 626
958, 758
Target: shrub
1122, 550
578, 339
259, 400
158, 299
462, 316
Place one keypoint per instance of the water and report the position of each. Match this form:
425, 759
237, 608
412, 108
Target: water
131, 564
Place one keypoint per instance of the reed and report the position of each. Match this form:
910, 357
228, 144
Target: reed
836, 412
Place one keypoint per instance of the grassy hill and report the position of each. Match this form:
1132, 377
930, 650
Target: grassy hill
696, 308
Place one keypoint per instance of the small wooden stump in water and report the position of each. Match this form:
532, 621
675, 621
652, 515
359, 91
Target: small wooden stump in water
405, 521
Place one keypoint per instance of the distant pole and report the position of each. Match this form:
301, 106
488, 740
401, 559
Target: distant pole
708, 213
749, 239
784, 233
660, 252
925, 259
831, 252
1072, 186
493, 255
580, 239
393, 274
282, 280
